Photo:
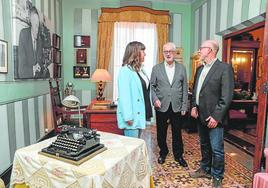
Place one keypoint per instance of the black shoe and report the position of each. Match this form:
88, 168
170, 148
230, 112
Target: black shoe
161, 160
217, 183
200, 173
181, 161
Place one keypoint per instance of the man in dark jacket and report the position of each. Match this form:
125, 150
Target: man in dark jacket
212, 95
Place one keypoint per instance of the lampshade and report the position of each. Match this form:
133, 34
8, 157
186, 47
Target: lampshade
101, 75
71, 101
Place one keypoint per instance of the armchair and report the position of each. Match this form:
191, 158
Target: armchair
261, 178
63, 115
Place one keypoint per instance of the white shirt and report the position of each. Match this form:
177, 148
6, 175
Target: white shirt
170, 70
34, 42
202, 77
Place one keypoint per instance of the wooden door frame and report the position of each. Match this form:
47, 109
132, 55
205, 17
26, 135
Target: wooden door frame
262, 97
262, 100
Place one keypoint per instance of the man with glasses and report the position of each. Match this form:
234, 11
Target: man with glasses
169, 97
212, 94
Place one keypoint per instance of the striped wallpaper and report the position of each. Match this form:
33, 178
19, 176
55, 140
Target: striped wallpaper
50, 8
175, 29
215, 18
25, 121
86, 23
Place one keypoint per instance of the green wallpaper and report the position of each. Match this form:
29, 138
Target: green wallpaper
69, 7
15, 90
185, 11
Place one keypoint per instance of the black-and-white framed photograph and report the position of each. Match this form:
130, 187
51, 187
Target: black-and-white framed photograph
56, 41
3, 56
31, 42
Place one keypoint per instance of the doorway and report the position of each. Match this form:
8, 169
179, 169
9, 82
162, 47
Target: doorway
244, 50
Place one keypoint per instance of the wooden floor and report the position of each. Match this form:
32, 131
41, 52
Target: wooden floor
244, 136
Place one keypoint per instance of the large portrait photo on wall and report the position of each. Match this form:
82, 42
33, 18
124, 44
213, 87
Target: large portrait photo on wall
31, 42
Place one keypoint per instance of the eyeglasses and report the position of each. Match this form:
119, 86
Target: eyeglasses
169, 52
203, 47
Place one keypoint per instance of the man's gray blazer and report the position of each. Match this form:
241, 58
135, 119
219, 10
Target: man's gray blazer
175, 93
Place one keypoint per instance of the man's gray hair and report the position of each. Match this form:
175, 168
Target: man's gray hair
171, 44
214, 45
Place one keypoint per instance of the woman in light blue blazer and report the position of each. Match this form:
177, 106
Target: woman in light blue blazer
132, 91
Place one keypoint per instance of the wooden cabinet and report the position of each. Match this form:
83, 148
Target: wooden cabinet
102, 118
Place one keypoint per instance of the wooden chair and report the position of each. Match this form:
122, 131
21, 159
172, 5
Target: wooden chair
63, 115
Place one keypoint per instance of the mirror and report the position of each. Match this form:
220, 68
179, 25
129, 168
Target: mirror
243, 56
243, 64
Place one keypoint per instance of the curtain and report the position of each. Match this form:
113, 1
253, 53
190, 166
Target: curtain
128, 14
125, 32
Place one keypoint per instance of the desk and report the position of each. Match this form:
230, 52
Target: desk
243, 104
102, 119
247, 105
125, 163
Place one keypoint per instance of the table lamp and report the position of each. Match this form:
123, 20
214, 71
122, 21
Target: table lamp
72, 101
100, 76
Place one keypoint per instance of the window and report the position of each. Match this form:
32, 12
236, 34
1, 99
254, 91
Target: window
125, 32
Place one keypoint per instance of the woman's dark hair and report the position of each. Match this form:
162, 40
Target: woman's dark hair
132, 55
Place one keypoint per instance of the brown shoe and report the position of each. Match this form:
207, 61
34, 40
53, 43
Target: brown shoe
217, 183
200, 173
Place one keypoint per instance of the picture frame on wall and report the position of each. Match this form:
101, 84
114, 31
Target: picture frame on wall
81, 56
179, 55
81, 72
57, 71
25, 59
3, 56
56, 56
81, 41
56, 41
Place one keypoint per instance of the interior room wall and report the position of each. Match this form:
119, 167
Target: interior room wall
81, 17
25, 110
25, 105
210, 18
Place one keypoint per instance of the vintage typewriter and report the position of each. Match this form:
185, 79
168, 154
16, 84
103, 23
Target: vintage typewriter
74, 143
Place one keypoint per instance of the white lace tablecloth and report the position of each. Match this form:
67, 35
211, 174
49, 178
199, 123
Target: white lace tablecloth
125, 163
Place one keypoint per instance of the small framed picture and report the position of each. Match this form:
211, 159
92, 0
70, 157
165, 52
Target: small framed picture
3, 56
81, 56
56, 41
81, 72
81, 41
179, 54
57, 71
56, 56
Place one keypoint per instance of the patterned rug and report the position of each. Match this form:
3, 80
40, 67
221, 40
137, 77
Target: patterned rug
172, 175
